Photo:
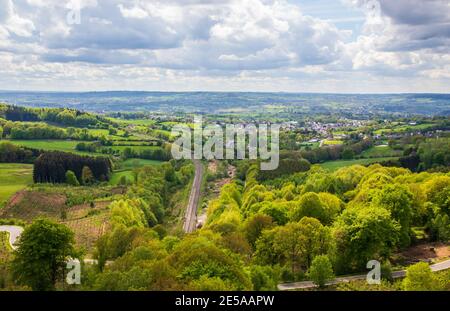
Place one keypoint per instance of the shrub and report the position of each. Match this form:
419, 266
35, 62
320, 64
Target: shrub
71, 179
321, 270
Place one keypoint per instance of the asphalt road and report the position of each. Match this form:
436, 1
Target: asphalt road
190, 218
14, 233
396, 274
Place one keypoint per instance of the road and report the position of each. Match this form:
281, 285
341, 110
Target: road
190, 218
444, 265
14, 233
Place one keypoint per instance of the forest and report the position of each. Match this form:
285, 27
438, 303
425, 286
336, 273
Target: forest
104, 190
52, 167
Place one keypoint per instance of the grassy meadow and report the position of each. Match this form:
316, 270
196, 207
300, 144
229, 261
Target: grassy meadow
335, 165
127, 168
14, 177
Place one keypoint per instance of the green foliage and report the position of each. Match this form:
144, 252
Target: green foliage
197, 256
434, 153
71, 179
10, 153
42, 252
131, 213
310, 205
86, 175
440, 227
398, 200
51, 167
264, 278
363, 234
254, 227
419, 277
321, 270
299, 242
348, 154
290, 162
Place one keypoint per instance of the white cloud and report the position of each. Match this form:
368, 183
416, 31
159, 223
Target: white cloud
257, 44
12, 22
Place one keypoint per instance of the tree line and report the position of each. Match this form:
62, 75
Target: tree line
10, 153
337, 152
64, 116
51, 167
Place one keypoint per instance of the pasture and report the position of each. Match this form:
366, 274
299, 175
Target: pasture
127, 169
13, 177
335, 165
382, 151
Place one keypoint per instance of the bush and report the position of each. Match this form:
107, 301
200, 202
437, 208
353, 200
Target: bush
71, 179
321, 270
419, 277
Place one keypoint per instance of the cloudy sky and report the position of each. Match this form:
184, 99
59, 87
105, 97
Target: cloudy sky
368, 46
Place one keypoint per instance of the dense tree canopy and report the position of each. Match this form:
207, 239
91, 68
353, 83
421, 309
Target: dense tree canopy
52, 167
42, 253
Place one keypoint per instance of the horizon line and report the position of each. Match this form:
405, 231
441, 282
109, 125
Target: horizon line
241, 92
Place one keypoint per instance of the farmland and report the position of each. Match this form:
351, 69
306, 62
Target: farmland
13, 177
335, 165
382, 151
127, 167
50, 145
129, 206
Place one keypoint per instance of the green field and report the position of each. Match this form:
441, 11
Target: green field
127, 169
304, 145
99, 132
53, 145
116, 176
135, 163
404, 128
335, 165
135, 148
145, 122
332, 142
380, 152
14, 177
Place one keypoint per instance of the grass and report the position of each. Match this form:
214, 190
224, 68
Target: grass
145, 122
5, 248
404, 128
135, 163
127, 169
304, 145
136, 148
332, 142
14, 177
380, 152
53, 145
335, 165
116, 176
99, 132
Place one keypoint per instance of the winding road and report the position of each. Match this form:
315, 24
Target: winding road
190, 218
444, 265
14, 233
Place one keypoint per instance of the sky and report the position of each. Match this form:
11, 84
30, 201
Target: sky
332, 46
